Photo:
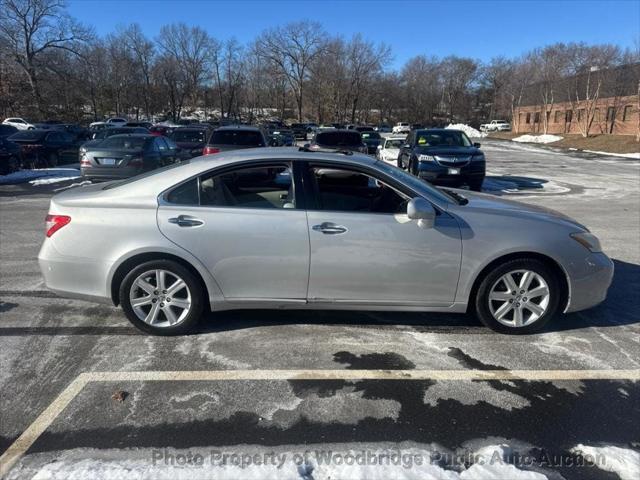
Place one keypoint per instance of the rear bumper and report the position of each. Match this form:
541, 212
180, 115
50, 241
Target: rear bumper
74, 277
590, 287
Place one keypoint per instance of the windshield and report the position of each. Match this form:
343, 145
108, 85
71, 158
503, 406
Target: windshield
236, 137
395, 143
371, 136
195, 136
27, 135
339, 139
123, 143
442, 138
414, 182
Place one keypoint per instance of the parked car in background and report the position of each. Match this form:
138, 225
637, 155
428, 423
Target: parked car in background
364, 128
109, 132
496, 126
123, 156
233, 138
280, 228
443, 157
46, 148
303, 130
281, 138
383, 128
19, 123
10, 156
343, 140
191, 139
161, 130
389, 149
401, 127
146, 125
7, 130
372, 140
117, 121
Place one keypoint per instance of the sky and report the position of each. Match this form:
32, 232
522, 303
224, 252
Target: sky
478, 29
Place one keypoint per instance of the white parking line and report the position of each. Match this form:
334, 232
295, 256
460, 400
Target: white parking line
46, 418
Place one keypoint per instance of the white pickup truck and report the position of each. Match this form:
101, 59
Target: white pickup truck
496, 126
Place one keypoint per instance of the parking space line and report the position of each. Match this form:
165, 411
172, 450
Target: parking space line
19, 447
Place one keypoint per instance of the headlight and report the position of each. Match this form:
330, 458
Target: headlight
426, 158
588, 241
477, 158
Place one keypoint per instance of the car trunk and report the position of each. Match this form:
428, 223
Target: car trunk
113, 158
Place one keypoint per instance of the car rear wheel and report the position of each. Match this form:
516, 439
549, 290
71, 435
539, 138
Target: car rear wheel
162, 297
476, 185
519, 296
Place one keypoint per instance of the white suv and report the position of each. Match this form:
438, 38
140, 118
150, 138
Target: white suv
19, 123
402, 127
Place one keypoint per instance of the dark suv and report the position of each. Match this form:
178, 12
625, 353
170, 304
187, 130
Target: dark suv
349, 140
443, 157
233, 138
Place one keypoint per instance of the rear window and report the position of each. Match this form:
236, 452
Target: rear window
339, 139
188, 136
237, 137
371, 135
123, 143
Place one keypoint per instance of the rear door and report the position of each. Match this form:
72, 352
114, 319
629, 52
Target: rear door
246, 225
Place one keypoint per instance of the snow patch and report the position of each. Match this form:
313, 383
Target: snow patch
622, 155
546, 138
50, 180
470, 131
621, 461
23, 176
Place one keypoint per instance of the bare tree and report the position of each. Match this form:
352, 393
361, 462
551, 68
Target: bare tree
292, 49
32, 28
143, 52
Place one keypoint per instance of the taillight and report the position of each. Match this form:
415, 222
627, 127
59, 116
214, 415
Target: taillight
210, 150
55, 223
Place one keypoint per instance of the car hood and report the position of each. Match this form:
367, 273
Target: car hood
482, 202
448, 150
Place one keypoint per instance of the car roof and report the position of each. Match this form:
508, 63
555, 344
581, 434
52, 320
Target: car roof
134, 135
247, 128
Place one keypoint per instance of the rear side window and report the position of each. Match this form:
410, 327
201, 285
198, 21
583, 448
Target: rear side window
339, 139
237, 137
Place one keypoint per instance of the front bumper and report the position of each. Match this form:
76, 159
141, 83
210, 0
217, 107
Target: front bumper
474, 171
589, 287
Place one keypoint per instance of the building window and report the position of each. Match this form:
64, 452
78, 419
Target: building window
596, 115
580, 114
626, 113
568, 116
528, 117
556, 117
536, 118
611, 114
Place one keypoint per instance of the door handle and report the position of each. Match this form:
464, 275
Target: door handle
186, 221
329, 228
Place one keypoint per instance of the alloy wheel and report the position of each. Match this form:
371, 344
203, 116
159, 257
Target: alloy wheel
160, 298
519, 298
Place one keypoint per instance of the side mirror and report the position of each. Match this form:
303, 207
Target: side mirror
477, 145
421, 210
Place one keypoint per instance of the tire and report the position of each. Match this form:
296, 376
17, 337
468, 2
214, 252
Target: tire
184, 319
493, 284
52, 160
476, 185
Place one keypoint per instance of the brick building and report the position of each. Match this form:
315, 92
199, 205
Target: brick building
596, 101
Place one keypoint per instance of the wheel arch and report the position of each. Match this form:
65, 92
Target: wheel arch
128, 264
565, 286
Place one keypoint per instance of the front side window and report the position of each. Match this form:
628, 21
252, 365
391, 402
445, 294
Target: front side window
344, 190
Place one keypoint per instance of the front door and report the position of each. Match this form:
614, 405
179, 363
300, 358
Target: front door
243, 225
364, 248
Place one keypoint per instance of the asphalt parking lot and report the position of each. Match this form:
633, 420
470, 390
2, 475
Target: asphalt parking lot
286, 394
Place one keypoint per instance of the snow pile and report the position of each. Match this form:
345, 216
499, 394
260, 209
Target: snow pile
623, 155
470, 131
44, 175
546, 138
625, 463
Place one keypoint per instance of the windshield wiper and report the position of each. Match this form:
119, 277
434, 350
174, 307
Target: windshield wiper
461, 199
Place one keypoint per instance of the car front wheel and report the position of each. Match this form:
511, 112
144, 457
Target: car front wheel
162, 297
519, 296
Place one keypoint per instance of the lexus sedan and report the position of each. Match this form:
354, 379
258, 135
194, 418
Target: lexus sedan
290, 228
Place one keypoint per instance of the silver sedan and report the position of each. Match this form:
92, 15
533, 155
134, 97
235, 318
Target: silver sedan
283, 228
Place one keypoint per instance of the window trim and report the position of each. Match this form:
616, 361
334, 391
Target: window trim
221, 170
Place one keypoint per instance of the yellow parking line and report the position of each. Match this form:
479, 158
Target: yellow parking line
46, 418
